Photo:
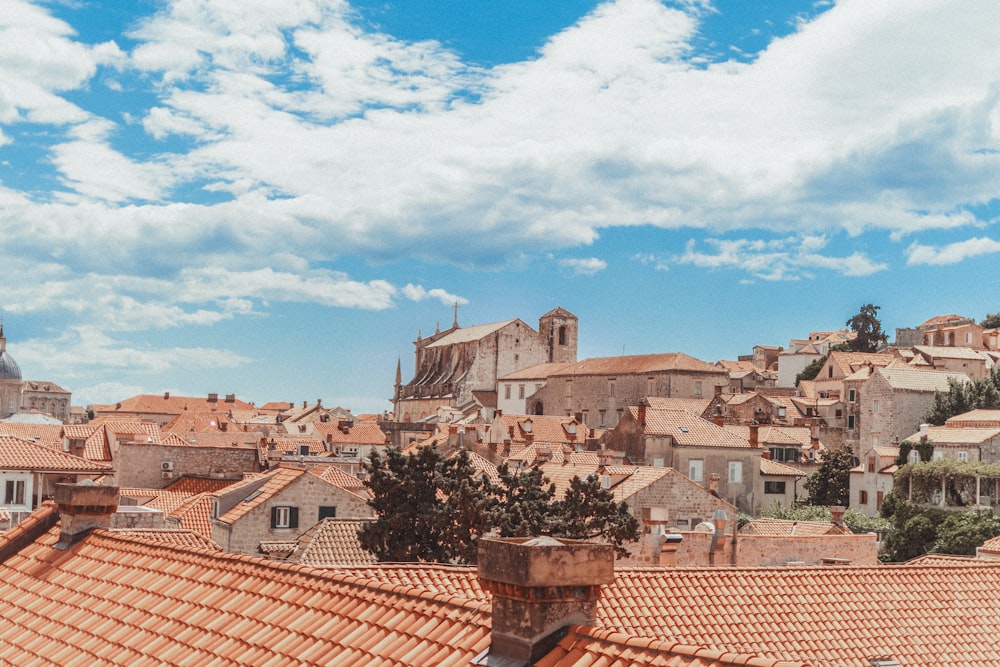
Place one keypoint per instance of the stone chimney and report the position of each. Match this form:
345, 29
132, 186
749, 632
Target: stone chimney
754, 435
713, 483
83, 507
540, 586
837, 514
642, 413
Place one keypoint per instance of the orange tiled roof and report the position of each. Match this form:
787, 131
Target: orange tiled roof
774, 468
786, 527
609, 648
49, 435
180, 538
259, 492
338, 477
536, 372
641, 363
693, 405
166, 404
544, 429
18, 454
195, 514
363, 433
116, 598
689, 429
333, 543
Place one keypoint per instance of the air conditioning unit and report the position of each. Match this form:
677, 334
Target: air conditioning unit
166, 475
167, 466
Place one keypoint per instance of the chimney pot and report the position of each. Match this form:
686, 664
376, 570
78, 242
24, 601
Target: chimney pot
540, 585
83, 507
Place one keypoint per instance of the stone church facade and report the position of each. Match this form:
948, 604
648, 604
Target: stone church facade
18, 395
459, 367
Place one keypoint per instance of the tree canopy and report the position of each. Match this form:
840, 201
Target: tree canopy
991, 321
868, 328
831, 483
965, 396
432, 508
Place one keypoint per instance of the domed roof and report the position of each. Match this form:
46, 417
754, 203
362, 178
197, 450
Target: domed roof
9, 370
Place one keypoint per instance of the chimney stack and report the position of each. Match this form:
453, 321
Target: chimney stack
642, 413
754, 434
837, 514
713, 483
83, 507
540, 586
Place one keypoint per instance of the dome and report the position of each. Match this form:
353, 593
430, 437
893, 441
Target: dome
9, 370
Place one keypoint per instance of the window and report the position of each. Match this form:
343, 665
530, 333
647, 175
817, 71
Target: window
774, 487
838, 413
562, 335
862, 497
875, 407
506, 391
829, 371
650, 387
878, 500
569, 387
327, 512
937, 456
697, 388
696, 470
850, 422
851, 395
611, 389
284, 517
600, 417
520, 391
913, 456
735, 472
963, 456
15, 492
871, 464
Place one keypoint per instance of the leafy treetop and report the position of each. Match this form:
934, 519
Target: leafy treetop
868, 329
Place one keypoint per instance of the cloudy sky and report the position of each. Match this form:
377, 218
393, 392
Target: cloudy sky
272, 197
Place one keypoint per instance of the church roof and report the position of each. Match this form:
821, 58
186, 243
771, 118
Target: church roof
469, 334
9, 370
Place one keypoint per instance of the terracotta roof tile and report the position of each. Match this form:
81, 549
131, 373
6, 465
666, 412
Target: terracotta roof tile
689, 429
49, 435
18, 454
333, 543
128, 600
642, 363
259, 491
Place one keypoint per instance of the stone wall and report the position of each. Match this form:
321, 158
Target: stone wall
591, 395
145, 465
308, 493
694, 550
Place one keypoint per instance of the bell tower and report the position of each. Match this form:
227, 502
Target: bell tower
559, 329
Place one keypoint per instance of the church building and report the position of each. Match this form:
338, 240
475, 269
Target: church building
17, 395
459, 367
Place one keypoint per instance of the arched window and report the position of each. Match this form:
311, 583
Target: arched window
538, 408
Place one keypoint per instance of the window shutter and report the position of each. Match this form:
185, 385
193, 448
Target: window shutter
293, 517
274, 517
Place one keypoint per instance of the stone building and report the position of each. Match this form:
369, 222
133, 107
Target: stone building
18, 395
601, 389
894, 401
460, 366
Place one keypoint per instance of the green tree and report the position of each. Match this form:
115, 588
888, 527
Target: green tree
588, 511
524, 506
962, 532
812, 370
831, 483
962, 397
868, 329
412, 520
429, 508
470, 501
991, 321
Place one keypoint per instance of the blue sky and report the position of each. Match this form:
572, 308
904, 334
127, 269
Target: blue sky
272, 197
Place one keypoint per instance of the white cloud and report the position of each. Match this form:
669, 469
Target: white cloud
419, 293
584, 266
777, 259
952, 253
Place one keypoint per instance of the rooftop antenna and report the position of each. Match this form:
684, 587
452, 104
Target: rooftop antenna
455, 306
